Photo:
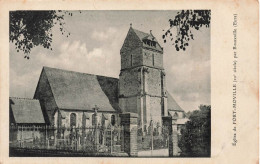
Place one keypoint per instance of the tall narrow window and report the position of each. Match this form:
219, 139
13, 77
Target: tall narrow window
73, 119
131, 60
153, 59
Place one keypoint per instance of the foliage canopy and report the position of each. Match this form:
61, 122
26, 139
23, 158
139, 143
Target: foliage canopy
196, 136
28, 29
184, 21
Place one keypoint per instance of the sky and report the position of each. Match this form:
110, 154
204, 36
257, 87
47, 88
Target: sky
94, 47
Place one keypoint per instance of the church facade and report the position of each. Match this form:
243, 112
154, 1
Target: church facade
70, 99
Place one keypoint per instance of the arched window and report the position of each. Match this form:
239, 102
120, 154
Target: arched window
93, 120
73, 119
113, 120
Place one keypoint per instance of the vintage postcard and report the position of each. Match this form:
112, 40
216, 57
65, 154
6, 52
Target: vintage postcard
133, 81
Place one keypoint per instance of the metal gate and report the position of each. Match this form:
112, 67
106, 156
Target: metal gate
154, 138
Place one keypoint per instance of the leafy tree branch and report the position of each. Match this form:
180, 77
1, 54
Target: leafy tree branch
184, 21
29, 29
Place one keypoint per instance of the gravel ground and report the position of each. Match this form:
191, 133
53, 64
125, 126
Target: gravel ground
154, 153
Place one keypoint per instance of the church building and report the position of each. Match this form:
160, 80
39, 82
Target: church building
70, 98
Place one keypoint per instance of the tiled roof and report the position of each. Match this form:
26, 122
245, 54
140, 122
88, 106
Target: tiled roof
26, 111
142, 36
81, 91
172, 104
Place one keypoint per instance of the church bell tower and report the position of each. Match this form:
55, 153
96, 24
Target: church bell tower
142, 87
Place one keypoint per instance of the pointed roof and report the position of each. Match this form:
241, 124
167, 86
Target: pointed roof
145, 36
26, 111
172, 104
141, 35
81, 91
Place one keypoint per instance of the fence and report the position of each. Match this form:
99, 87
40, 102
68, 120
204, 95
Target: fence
154, 138
87, 139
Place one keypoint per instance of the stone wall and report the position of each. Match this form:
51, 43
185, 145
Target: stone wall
131, 59
137, 59
148, 55
155, 110
153, 82
128, 104
129, 83
129, 141
141, 57
79, 117
132, 87
146, 107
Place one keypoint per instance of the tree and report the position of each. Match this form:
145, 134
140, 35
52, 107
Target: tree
28, 29
184, 21
196, 135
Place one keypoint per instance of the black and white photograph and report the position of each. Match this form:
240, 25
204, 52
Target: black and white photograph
110, 83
